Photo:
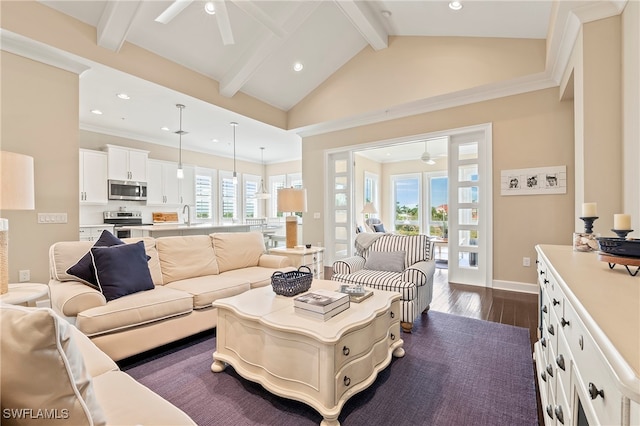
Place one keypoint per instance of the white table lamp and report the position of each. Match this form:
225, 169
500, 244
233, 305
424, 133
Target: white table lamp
16, 193
292, 200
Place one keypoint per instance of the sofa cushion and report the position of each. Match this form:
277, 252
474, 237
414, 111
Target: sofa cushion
121, 269
127, 402
211, 287
134, 310
256, 275
42, 368
186, 257
416, 247
152, 253
393, 261
96, 361
84, 270
238, 250
381, 280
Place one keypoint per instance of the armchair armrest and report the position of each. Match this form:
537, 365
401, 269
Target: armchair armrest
420, 273
69, 298
273, 261
348, 265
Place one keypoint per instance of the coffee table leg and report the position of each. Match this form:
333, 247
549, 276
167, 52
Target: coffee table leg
398, 352
330, 422
217, 366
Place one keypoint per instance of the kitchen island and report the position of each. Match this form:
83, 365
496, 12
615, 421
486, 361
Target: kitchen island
173, 229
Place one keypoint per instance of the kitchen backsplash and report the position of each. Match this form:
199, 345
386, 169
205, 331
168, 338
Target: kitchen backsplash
92, 215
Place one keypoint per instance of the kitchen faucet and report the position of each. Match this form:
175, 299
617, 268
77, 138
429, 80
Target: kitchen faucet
188, 209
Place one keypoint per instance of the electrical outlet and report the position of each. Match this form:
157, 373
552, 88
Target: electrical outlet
526, 261
24, 275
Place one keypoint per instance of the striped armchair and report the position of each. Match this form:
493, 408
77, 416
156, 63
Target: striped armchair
395, 263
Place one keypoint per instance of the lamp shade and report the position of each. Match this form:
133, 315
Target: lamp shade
369, 208
16, 181
292, 200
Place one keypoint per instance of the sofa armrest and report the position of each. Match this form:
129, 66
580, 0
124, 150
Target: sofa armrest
348, 265
420, 273
96, 361
273, 261
69, 298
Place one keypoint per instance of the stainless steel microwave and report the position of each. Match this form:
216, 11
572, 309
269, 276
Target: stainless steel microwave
127, 190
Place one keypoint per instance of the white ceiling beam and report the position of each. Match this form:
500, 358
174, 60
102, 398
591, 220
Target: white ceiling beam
252, 9
172, 11
264, 47
224, 24
115, 22
366, 22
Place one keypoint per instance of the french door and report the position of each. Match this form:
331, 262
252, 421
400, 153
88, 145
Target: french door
470, 215
340, 233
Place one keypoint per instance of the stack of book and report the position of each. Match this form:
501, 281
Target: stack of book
357, 293
321, 304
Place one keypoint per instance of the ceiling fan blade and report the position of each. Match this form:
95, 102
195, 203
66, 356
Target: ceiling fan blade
224, 24
172, 11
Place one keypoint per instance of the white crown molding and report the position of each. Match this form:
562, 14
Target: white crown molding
31, 49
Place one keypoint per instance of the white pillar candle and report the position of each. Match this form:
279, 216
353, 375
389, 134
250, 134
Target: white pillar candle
589, 210
622, 222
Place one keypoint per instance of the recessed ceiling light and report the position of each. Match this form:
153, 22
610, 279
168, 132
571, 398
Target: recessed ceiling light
214, 140
123, 96
298, 66
165, 128
455, 5
385, 13
96, 112
210, 8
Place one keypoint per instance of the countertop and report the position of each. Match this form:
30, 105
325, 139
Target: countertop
184, 226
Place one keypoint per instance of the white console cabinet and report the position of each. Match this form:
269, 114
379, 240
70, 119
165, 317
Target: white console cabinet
588, 353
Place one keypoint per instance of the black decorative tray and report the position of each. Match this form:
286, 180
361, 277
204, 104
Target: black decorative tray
619, 246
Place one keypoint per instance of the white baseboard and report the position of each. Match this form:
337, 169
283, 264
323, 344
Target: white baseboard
515, 286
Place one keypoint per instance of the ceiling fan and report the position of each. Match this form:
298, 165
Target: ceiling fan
426, 156
219, 9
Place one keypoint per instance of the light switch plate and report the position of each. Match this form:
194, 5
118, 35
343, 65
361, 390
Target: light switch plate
52, 218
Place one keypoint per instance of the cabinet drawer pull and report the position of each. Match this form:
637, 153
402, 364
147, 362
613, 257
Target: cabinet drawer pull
541, 272
594, 392
544, 308
555, 302
546, 281
550, 329
392, 314
543, 342
550, 411
346, 381
543, 375
560, 361
393, 336
564, 322
345, 351
550, 370
559, 414
581, 343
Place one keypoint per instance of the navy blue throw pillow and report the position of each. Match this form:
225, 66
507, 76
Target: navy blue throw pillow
379, 228
121, 269
83, 270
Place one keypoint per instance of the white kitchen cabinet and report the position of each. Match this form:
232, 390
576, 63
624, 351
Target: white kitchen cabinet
93, 232
93, 177
127, 163
163, 186
188, 186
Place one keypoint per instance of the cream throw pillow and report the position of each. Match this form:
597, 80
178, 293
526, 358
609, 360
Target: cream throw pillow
44, 379
238, 250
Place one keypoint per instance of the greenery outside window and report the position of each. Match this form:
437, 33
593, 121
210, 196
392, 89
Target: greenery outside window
406, 196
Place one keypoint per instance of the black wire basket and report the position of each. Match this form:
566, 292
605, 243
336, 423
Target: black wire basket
291, 283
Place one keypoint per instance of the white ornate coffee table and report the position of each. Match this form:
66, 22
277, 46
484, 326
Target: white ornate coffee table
320, 363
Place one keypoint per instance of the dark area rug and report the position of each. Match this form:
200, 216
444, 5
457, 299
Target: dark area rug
456, 371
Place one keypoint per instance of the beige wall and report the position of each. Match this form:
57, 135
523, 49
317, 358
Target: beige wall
415, 68
40, 119
529, 130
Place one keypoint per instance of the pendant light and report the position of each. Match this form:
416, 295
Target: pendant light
180, 132
235, 174
262, 193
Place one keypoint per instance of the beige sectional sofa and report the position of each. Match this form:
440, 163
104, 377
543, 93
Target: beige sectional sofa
188, 274
52, 374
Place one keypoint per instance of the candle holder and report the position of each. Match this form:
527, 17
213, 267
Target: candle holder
622, 233
588, 224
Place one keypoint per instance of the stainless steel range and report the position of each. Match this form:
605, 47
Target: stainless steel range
122, 218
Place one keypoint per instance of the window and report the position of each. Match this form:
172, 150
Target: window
438, 197
251, 185
278, 182
229, 207
371, 189
406, 197
205, 184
